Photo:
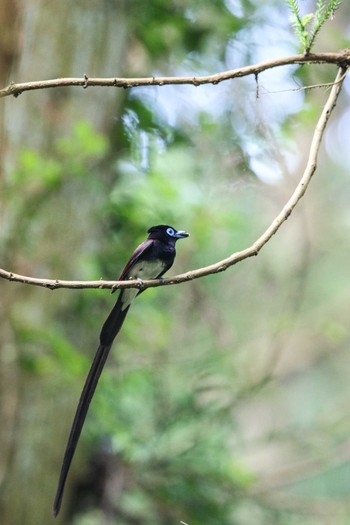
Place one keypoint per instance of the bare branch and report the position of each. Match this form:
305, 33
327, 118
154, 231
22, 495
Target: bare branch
341, 58
236, 257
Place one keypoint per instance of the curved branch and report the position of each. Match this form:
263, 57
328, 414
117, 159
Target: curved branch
341, 58
236, 257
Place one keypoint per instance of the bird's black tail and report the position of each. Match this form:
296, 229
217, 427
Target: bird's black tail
113, 322
108, 333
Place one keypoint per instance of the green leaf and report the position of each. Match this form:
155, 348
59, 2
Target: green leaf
307, 18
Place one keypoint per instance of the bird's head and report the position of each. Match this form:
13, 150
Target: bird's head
165, 233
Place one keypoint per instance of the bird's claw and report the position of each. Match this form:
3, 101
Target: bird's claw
140, 283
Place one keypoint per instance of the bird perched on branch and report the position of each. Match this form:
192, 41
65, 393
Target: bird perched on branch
150, 260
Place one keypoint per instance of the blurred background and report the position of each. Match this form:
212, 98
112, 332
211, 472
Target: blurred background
225, 400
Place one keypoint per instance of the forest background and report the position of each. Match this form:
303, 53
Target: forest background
225, 399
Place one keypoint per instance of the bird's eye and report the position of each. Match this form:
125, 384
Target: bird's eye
170, 232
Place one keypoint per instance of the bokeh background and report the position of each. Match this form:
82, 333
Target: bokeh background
226, 399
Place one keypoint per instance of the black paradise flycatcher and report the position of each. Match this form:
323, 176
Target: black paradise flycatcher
150, 260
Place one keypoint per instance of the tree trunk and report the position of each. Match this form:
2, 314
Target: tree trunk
54, 40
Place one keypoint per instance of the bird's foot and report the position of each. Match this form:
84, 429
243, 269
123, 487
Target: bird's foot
140, 283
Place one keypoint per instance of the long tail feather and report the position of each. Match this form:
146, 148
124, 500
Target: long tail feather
108, 333
113, 322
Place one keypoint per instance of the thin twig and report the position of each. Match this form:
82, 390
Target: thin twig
341, 58
303, 88
236, 257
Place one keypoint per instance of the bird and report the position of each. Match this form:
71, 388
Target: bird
150, 260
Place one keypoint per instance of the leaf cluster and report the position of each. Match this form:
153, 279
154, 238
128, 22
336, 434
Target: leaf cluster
308, 26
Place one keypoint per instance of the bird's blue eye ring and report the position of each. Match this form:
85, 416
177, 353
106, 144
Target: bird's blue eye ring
170, 232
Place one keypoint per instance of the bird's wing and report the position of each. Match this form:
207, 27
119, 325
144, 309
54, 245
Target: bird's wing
131, 271
142, 249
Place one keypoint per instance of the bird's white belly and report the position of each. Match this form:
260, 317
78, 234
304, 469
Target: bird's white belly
141, 270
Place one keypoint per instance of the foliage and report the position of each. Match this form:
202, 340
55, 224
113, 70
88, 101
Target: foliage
307, 27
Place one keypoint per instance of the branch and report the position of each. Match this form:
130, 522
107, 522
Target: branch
236, 257
341, 58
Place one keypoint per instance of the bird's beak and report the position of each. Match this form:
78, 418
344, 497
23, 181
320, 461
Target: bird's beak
181, 234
